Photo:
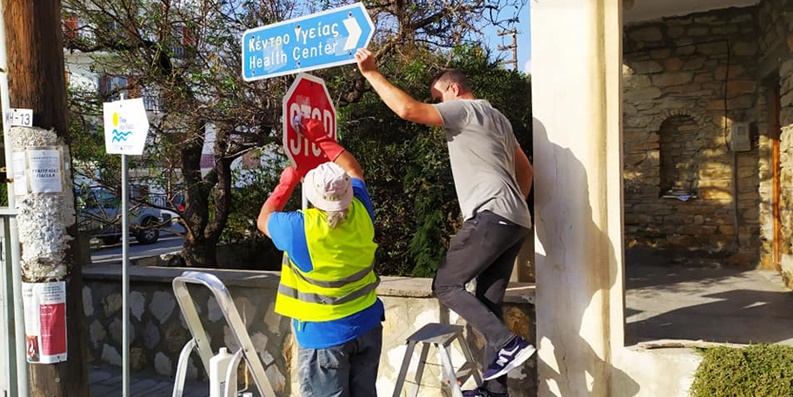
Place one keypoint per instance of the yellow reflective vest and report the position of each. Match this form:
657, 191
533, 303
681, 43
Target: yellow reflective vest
342, 281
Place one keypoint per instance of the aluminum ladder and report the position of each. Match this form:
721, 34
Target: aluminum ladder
200, 342
441, 337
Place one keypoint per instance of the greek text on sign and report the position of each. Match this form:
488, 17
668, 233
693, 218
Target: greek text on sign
126, 126
315, 41
45, 171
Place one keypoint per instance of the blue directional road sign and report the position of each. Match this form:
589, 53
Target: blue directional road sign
315, 41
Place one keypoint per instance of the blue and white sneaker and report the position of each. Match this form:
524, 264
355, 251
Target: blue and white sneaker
510, 357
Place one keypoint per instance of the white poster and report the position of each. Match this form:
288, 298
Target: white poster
20, 177
45, 321
45, 172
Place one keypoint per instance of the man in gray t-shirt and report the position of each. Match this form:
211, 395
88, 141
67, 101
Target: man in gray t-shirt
492, 176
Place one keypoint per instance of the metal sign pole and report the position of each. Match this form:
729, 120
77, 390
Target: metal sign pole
303, 197
124, 276
126, 127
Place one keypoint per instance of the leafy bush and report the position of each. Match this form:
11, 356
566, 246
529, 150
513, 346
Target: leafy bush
754, 371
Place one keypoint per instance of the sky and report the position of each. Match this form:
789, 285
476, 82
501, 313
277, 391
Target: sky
524, 41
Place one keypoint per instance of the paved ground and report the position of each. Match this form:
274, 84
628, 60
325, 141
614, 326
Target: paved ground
668, 297
106, 381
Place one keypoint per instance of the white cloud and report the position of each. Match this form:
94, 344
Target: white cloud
527, 67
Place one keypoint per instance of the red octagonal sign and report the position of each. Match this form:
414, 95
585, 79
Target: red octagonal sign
307, 96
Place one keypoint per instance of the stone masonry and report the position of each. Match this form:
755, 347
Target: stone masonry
158, 331
686, 81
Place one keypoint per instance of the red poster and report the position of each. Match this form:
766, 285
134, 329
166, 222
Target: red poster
53, 329
45, 321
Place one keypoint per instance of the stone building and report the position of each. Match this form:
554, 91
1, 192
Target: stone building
658, 123
706, 155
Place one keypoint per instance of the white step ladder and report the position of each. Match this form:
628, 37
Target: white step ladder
441, 336
200, 342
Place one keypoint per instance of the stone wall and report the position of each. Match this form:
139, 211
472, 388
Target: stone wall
686, 81
158, 331
775, 21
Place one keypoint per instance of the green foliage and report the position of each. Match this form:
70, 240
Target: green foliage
407, 165
188, 57
241, 229
3, 195
255, 185
754, 371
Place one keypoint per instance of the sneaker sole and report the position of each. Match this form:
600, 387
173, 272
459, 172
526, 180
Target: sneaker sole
516, 362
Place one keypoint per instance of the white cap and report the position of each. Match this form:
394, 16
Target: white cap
328, 187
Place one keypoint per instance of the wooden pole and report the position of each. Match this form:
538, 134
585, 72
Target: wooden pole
36, 80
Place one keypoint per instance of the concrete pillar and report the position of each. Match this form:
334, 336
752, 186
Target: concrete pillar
576, 91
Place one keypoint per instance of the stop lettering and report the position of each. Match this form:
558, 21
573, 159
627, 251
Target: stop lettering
309, 97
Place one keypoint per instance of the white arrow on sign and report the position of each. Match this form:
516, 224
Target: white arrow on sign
355, 33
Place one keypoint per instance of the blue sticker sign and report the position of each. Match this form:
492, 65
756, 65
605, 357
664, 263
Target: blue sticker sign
315, 41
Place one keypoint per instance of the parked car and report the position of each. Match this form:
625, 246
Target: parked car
99, 215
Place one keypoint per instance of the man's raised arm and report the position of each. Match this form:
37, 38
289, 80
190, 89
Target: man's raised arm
397, 100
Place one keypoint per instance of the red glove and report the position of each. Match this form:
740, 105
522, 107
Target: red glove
313, 131
289, 179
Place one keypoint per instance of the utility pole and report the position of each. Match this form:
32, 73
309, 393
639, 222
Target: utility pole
36, 81
513, 47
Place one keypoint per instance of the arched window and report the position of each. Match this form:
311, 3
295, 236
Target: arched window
680, 145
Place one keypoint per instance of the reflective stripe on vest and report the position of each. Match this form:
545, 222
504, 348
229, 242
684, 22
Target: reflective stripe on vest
328, 300
331, 284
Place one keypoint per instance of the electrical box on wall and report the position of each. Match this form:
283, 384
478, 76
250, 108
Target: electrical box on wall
739, 137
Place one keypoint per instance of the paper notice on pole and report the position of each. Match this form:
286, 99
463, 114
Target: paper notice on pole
45, 172
20, 176
45, 321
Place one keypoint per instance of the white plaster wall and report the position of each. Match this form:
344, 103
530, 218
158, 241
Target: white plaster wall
573, 248
653, 373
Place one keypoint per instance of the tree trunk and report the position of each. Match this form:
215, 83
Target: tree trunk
203, 230
36, 81
199, 251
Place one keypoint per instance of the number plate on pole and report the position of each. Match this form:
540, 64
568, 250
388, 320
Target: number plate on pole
20, 117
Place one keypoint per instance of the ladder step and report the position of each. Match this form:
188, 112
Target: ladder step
439, 336
466, 371
442, 334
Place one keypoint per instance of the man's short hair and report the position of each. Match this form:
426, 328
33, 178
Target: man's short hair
448, 76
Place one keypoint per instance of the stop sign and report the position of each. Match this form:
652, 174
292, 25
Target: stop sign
309, 97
